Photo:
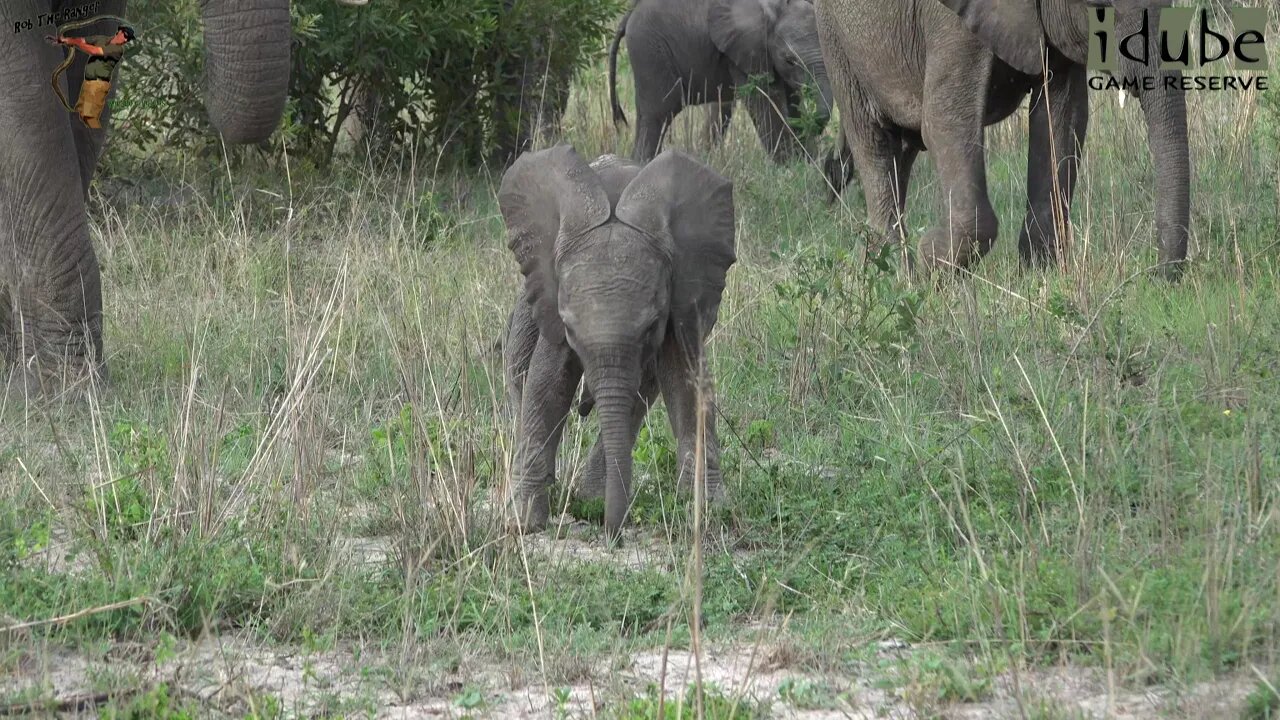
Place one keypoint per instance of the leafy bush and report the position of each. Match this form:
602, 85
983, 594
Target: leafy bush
480, 77
157, 105
872, 308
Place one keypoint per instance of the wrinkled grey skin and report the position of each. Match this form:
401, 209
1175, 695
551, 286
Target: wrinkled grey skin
50, 290
624, 268
915, 74
689, 52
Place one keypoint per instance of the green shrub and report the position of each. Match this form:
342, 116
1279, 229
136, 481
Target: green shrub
476, 77
157, 105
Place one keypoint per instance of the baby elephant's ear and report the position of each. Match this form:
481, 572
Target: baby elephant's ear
678, 199
545, 196
740, 29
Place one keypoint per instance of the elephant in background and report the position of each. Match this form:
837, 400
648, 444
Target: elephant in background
689, 52
911, 75
50, 288
623, 271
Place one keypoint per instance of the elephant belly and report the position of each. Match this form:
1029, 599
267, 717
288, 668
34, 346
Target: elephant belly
1005, 92
700, 88
885, 84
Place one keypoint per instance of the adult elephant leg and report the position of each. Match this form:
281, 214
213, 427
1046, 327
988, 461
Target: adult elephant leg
518, 345
837, 168
593, 477
48, 268
6, 326
651, 129
719, 117
877, 155
767, 107
553, 375
683, 390
1059, 121
660, 96
954, 109
906, 160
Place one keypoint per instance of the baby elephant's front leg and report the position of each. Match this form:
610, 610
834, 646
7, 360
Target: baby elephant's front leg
552, 377
687, 392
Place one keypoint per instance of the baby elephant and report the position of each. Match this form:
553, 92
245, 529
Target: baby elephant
689, 52
623, 271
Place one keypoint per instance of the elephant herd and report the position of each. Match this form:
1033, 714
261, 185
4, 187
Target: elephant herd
907, 76
624, 261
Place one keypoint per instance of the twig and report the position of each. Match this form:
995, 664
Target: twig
1263, 679
75, 703
143, 600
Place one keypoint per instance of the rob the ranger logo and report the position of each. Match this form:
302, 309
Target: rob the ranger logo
1242, 48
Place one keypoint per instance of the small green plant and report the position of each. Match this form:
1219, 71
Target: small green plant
470, 700
1044, 709
862, 301
715, 706
1264, 702
124, 504
929, 682
429, 221
20, 538
810, 122
806, 694
154, 704
265, 707
1065, 309
654, 449
761, 434
391, 451
561, 697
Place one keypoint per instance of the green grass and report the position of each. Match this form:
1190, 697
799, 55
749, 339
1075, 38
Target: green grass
1020, 468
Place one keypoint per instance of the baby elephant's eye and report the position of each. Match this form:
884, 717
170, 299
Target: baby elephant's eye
793, 61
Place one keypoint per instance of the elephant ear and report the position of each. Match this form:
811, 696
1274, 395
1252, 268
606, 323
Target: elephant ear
615, 175
1011, 28
740, 29
679, 200
547, 197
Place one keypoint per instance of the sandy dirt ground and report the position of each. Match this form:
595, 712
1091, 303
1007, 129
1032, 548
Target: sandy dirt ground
232, 675
235, 674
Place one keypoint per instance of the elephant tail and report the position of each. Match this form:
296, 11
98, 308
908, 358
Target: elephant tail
618, 115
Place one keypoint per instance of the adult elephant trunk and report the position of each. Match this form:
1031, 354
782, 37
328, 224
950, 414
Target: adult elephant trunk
615, 385
1165, 110
825, 98
246, 66
1166, 115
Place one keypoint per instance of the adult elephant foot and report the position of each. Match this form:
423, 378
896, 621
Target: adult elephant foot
941, 249
1038, 250
591, 485
53, 380
893, 245
530, 511
51, 332
711, 478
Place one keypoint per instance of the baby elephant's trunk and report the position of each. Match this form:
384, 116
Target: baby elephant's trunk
615, 431
615, 385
